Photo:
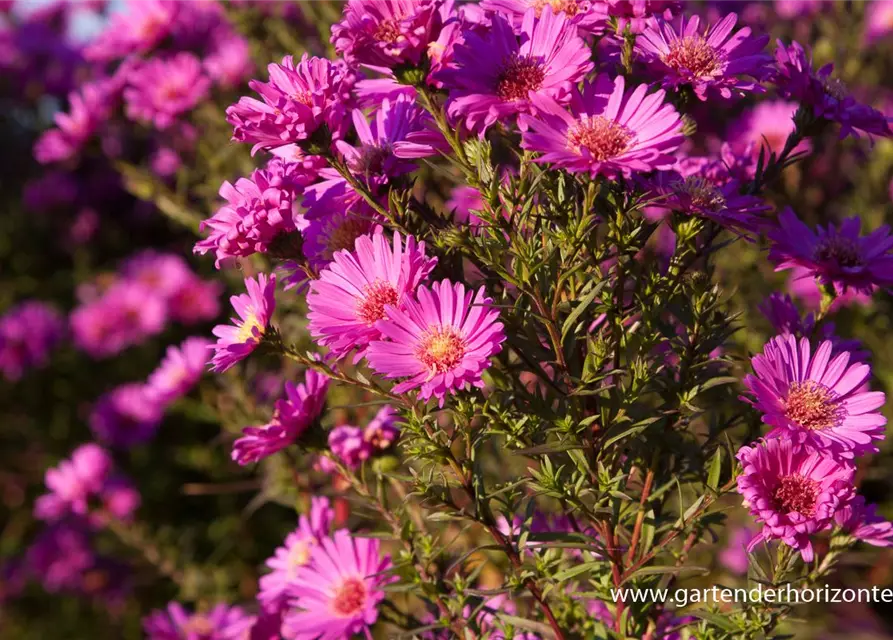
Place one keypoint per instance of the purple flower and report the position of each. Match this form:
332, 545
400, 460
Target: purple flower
126, 416
780, 310
826, 95
464, 201
348, 445
162, 273
640, 13
715, 62
352, 293
386, 33
442, 341
137, 30
734, 556
222, 622
816, 399
608, 131
335, 231
878, 21
164, 88
180, 370
229, 63
61, 556
255, 308
766, 126
195, 300
862, 522
590, 17
337, 594
494, 76
837, 256
29, 331
297, 101
793, 490
294, 555
256, 215
382, 431
302, 405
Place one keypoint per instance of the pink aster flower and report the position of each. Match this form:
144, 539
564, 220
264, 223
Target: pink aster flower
180, 370
164, 88
734, 556
816, 398
351, 294
257, 213
137, 30
494, 76
222, 622
837, 256
296, 102
766, 126
862, 522
590, 17
336, 231
793, 490
294, 554
607, 130
442, 341
382, 431
337, 594
229, 63
827, 95
348, 445
126, 416
715, 62
255, 308
293, 414
195, 300
386, 33
28, 333
878, 21
640, 13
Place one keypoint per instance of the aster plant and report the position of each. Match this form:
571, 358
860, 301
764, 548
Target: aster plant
490, 360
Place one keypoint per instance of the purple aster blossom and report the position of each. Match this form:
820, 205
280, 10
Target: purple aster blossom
784, 316
165, 162
387, 33
294, 554
495, 76
222, 622
229, 61
351, 293
734, 555
254, 308
463, 202
161, 273
590, 17
332, 193
29, 332
803, 286
826, 95
298, 100
716, 62
337, 594
349, 446
767, 126
878, 21
162, 89
638, 14
382, 431
256, 215
61, 556
817, 399
125, 315
442, 341
127, 416
607, 130
89, 107
792, 490
137, 30
195, 300
336, 231
180, 370
293, 414
862, 522
838, 256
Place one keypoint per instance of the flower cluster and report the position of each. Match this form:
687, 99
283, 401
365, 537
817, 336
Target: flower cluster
28, 334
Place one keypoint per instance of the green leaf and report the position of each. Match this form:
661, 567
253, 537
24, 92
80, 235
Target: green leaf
716, 619
659, 571
580, 308
715, 469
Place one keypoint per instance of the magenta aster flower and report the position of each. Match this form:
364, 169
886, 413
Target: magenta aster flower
296, 102
160, 272
715, 62
195, 300
862, 522
180, 370
255, 308
816, 399
878, 21
780, 310
28, 333
61, 556
257, 213
351, 294
607, 130
640, 13
302, 405
336, 231
348, 445
793, 490
126, 416
337, 594
827, 95
493, 76
442, 341
164, 88
734, 556
294, 554
766, 126
837, 256
386, 33
222, 622
382, 431
229, 63
137, 30
590, 17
